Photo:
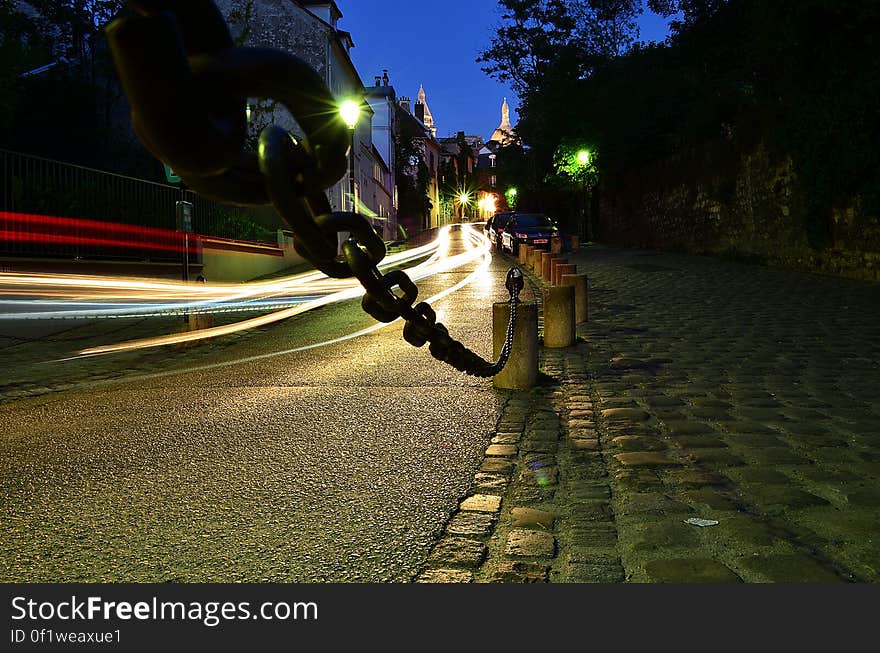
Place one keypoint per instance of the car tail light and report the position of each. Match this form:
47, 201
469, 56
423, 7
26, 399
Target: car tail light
522, 235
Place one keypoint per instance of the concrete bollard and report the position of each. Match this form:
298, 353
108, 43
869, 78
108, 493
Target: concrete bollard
554, 269
575, 243
536, 260
554, 261
556, 245
581, 294
546, 258
566, 268
523, 254
559, 329
521, 371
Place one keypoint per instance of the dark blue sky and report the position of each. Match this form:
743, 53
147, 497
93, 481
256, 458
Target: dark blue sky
435, 44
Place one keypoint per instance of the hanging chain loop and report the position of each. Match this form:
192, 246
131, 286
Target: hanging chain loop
188, 87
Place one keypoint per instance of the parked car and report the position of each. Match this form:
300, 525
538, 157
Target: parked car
495, 227
535, 229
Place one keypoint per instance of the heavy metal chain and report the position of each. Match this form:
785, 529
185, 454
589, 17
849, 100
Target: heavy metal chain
188, 86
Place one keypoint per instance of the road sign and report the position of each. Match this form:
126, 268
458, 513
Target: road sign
184, 216
170, 176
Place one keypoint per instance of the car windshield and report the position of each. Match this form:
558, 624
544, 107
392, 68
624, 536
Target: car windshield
533, 220
501, 220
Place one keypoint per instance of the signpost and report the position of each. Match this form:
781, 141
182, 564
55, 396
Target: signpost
184, 223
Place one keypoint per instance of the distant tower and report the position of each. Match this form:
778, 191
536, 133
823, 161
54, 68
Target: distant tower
504, 134
423, 113
405, 103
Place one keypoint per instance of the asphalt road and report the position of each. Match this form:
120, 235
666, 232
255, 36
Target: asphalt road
333, 464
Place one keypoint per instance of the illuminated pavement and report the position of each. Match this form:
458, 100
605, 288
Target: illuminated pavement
717, 422
334, 464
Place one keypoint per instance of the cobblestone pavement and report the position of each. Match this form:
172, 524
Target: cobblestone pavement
741, 398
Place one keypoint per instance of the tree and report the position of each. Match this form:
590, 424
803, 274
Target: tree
64, 39
411, 173
21, 50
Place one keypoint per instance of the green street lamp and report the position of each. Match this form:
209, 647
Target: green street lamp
510, 194
350, 111
583, 159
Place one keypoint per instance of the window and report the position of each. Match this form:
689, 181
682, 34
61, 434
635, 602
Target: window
493, 181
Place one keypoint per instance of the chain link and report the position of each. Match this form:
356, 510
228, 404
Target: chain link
187, 86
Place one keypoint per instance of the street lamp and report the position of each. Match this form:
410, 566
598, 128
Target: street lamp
583, 159
510, 195
463, 199
350, 110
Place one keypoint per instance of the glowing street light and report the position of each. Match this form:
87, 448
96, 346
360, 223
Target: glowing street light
487, 205
463, 199
350, 111
583, 158
510, 196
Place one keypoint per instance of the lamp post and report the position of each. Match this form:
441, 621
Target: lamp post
463, 199
583, 159
510, 195
350, 111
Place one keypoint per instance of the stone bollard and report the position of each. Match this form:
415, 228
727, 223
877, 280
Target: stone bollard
523, 254
554, 261
575, 243
536, 261
565, 268
581, 294
197, 321
559, 330
521, 371
546, 258
554, 269
556, 245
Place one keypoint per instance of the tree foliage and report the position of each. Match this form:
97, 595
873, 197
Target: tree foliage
57, 52
800, 77
411, 173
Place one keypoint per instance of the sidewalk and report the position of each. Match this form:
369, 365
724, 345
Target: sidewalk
742, 397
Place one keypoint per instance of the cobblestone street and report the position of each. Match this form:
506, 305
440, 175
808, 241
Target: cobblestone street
738, 397
715, 422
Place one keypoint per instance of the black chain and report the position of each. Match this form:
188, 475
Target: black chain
188, 86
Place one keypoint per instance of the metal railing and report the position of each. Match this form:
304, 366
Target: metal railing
51, 209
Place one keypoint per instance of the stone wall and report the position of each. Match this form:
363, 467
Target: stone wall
281, 25
743, 206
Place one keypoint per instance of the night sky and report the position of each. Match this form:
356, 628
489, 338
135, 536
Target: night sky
435, 44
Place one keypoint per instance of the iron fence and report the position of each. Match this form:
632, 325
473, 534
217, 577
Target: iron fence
51, 209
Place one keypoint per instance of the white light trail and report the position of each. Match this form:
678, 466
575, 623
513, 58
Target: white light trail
438, 262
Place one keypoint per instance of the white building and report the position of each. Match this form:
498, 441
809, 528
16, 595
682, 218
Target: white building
309, 30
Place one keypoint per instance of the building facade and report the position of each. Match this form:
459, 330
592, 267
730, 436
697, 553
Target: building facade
309, 30
383, 102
